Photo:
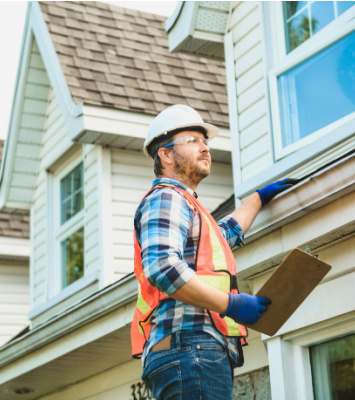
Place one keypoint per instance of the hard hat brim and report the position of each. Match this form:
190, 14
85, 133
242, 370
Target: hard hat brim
211, 131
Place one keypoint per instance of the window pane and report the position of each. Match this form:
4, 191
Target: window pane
333, 369
73, 257
322, 13
298, 30
305, 103
72, 193
292, 7
344, 5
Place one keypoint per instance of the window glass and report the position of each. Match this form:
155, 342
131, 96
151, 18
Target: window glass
333, 369
322, 14
72, 193
305, 18
304, 91
73, 257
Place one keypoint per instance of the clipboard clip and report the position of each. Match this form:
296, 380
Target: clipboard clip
308, 251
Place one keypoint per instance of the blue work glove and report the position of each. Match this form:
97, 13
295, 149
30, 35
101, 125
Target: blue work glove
245, 309
270, 191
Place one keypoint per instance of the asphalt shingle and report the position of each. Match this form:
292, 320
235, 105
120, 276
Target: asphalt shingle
119, 58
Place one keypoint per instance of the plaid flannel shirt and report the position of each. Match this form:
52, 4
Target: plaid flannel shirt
167, 228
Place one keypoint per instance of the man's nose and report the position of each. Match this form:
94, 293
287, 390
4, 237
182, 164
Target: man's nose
204, 147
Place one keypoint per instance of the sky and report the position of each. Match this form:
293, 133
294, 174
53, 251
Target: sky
12, 22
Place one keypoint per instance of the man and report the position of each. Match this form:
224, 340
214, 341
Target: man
188, 324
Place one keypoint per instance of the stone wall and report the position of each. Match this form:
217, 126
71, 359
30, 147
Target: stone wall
253, 386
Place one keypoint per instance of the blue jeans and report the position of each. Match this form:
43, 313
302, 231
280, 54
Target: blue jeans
196, 367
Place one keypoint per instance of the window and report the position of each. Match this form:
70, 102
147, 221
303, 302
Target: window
333, 369
318, 91
71, 231
305, 18
312, 86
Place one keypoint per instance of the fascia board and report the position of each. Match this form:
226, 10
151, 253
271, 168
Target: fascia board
10, 143
81, 314
15, 248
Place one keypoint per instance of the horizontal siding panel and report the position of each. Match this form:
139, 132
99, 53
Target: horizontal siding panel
32, 136
251, 96
246, 25
26, 165
255, 167
92, 255
248, 60
255, 150
36, 107
250, 78
28, 150
123, 223
37, 76
252, 39
20, 298
133, 195
124, 208
126, 266
36, 92
252, 114
36, 61
241, 11
121, 237
40, 278
123, 251
20, 195
25, 180
253, 132
92, 241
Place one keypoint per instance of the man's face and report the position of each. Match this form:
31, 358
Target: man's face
192, 160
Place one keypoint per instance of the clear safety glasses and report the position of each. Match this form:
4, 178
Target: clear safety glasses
196, 140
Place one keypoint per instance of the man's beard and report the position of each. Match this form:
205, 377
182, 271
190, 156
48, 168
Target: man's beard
190, 170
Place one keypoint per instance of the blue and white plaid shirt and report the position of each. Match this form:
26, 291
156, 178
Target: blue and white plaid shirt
168, 228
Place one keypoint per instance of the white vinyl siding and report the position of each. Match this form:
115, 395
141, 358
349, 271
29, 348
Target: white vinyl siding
92, 213
54, 135
25, 167
14, 299
249, 68
132, 176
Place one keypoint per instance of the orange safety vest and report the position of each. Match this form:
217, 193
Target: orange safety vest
215, 266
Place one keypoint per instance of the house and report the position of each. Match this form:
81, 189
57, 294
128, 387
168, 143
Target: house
14, 273
91, 78
291, 97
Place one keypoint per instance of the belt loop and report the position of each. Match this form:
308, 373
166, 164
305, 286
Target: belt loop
177, 340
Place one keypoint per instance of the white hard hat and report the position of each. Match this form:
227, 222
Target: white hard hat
176, 117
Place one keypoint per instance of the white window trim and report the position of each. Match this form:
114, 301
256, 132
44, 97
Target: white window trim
60, 232
292, 353
337, 29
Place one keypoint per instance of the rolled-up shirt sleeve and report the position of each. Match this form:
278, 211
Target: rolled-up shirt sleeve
164, 226
231, 231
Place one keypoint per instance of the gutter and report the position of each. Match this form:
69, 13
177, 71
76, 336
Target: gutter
82, 313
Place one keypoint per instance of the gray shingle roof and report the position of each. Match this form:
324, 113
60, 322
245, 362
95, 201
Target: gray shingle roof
12, 225
119, 58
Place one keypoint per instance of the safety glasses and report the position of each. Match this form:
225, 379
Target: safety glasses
188, 139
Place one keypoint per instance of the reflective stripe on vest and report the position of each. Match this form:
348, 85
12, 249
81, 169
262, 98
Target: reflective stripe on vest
215, 266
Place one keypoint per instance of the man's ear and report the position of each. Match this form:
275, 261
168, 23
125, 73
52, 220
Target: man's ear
166, 156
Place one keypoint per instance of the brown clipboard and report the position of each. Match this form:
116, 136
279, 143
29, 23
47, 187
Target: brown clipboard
289, 285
